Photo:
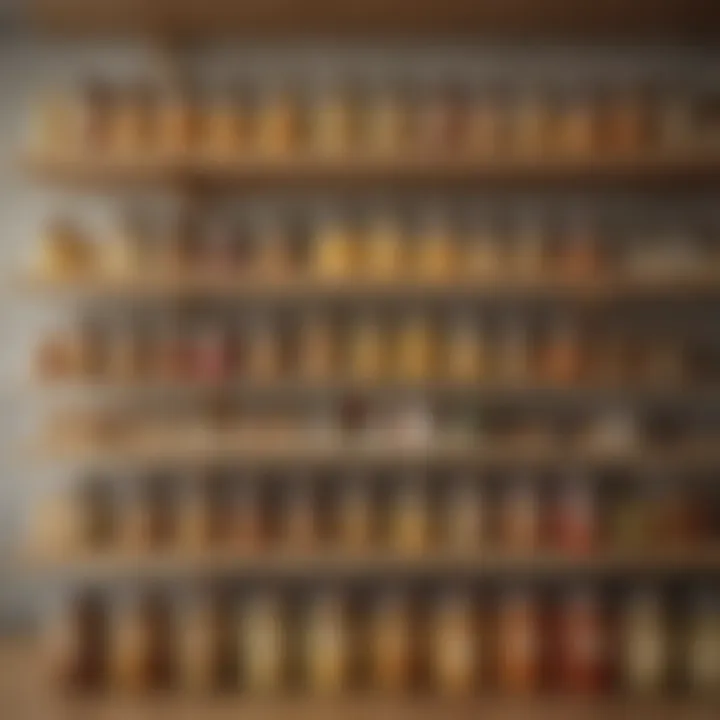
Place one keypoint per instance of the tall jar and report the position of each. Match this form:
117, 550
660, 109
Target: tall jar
519, 644
454, 647
262, 644
645, 644
130, 649
326, 646
411, 517
197, 646
391, 644
703, 648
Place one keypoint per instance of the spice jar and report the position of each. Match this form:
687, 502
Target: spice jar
279, 124
178, 122
410, 526
326, 645
130, 252
563, 361
484, 258
465, 351
96, 117
529, 246
366, 351
676, 126
300, 516
519, 645
129, 660
520, 519
169, 356
318, 352
629, 523
384, 250
197, 645
582, 653
64, 251
211, 355
124, 354
334, 251
416, 350
356, 516
436, 251
391, 644
134, 122
487, 126
645, 651
57, 526
262, 645
412, 427
387, 123
576, 522
531, 125
513, 352
625, 123
228, 125
264, 356
439, 120
225, 251
454, 643
577, 126
463, 523
703, 648
56, 125
278, 251
63, 653
194, 517
333, 123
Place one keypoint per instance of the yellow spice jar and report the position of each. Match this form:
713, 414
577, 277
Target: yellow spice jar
384, 247
326, 646
453, 653
262, 645
391, 645
436, 251
416, 349
334, 251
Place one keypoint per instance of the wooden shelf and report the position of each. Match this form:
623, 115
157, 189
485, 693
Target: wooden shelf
293, 565
307, 451
312, 289
103, 172
404, 18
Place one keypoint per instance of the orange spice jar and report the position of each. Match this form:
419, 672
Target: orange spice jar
416, 349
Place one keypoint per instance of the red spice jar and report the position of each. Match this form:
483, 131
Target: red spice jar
519, 646
582, 652
576, 518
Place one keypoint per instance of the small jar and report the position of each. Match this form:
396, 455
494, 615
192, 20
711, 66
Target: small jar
411, 518
465, 352
333, 124
645, 644
169, 353
387, 124
130, 647
579, 255
703, 646
520, 520
519, 645
384, 250
279, 124
334, 251
367, 350
178, 123
262, 645
211, 361
464, 521
264, 356
439, 120
197, 646
577, 127
228, 125
513, 353
576, 522
529, 246
278, 252
412, 426
563, 361
625, 123
64, 251
130, 252
484, 259
134, 122
454, 646
194, 518
98, 506
225, 252
391, 645
300, 516
487, 128
124, 354
629, 524
531, 126
97, 108
62, 653
326, 646
436, 251
136, 522
416, 350
318, 351
356, 516
582, 645
248, 526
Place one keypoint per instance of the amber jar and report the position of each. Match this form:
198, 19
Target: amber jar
531, 125
178, 123
130, 649
577, 127
130, 252
454, 646
326, 648
318, 348
387, 123
702, 654
356, 515
228, 125
520, 519
576, 519
519, 645
529, 249
465, 351
262, 645
645, 651
334, 252
563, 361
625, 123
280, 124
169, 355
439, 122
197, 645
410, 521
62, 654
384, 250
488, 129
416, 350
391, 645
436, 251
124, 354
464, 517
333, 123
582, 656
134, 126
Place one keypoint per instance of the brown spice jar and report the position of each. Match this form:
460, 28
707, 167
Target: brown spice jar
519, 645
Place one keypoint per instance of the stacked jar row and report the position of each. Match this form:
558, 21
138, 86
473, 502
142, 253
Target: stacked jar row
514, 641
412, 513
139, 120
433, 247
561, 348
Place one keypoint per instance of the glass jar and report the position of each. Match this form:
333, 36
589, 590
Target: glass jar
279, 124
582, 645
228, 125
513, 352
411, 518
318, 350
262, 644
520, 518
124, 354
211, 362
64, 251
454, 643
387, 123
62, 653
484, 256
130, 645
487, 125
645, 644
464, 521
703, 648
465, 352
391, 644
532, 123
178, 123
436, 251
625, 123
578, 126
367, 350
563, 362
576, 518
334, 251
333, 124
197, 645
384, 250
416, 350
529, 247
439, 120
194, 518
356, 516
134, 122
326, 646
263, 354
300, 516
519, 645
97, 108
579, 260
278, 252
